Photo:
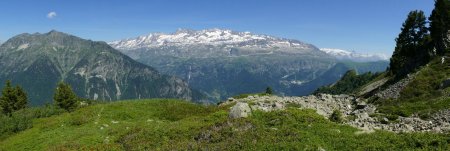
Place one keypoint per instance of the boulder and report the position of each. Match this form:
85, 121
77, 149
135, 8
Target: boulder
445, 83
240, 110
277, 106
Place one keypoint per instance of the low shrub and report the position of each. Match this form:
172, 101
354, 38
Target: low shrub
23, 119
336, 116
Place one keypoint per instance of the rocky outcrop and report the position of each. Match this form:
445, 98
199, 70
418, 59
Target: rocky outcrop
393, 91
324, 104
240, 110
373, 86
357, 112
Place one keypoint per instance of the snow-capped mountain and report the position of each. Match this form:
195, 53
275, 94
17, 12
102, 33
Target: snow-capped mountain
353, 56
210, 42
222, 63
214, 37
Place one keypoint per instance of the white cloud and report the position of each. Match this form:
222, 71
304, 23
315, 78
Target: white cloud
51, 15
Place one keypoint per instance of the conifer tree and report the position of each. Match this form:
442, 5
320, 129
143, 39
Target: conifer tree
65, 98
269, 90
13, 99
411, 48
21, 98
440, 25
6, 100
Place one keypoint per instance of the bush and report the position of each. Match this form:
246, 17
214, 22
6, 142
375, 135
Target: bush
23, 119
14, 123
336, 116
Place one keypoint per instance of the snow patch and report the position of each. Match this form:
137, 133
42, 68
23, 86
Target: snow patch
23, 46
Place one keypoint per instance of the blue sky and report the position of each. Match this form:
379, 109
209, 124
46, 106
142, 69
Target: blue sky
359, 25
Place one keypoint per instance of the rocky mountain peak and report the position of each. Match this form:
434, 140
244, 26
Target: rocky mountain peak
213, 42
213, 37
94, 69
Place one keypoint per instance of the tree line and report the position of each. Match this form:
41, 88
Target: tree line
14, 98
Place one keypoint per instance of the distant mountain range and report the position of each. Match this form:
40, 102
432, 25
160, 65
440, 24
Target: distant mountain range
353, 56
219, 63
223, 63
210, 43
94, 70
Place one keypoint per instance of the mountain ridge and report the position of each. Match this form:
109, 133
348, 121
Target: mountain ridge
214, 36
94, 69
346, 55
222, 63
210, 43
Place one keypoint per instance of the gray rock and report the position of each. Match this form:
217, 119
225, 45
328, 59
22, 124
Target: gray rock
277, 106
326, 104
393, 91
240, 110
445, 84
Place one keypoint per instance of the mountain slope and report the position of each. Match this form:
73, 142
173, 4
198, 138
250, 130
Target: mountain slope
94, 69
224, 63
336, 72
422, 93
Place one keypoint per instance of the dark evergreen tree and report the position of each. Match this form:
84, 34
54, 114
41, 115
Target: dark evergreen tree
21, 98
13, 99
440, 25
65, 98
412, 49
7, 98
269, 90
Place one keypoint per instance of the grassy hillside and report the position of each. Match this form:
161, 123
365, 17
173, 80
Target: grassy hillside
349, 83
179, 125
423, 95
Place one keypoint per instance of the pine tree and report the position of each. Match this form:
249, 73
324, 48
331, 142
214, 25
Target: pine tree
7, 98
440, 25
411, 50
65, 98
21, 98
12, 99
269, 90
